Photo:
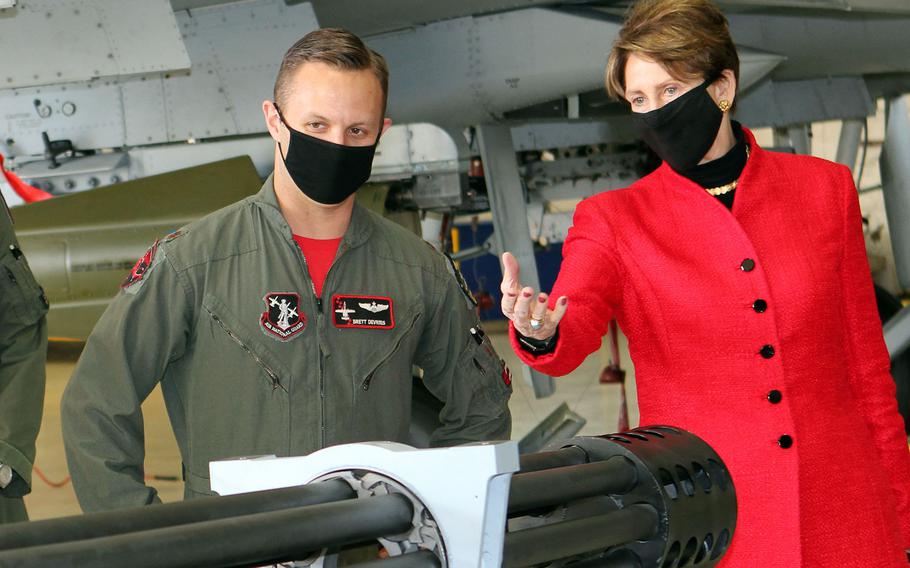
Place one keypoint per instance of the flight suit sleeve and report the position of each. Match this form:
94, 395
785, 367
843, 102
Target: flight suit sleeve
869, 371
23, 351
462, 370
144, 330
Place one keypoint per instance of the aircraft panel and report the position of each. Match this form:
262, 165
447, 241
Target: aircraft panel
828, 44
145, 119
179, 5
886, 6
369, 18
235, 51
781, 103
484, 66
196, 105
89, 114
60, 41
244, 43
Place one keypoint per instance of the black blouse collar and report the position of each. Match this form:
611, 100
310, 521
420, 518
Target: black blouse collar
725, 169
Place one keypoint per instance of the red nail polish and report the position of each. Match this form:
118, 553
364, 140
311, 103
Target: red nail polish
564, 301
527, 294
541, 299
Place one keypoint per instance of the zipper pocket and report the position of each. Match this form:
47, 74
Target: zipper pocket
273, 376
365, 385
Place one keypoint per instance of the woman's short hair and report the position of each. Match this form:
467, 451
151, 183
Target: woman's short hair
690, 38
333, 46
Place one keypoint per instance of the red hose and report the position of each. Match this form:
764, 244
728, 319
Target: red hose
27, 192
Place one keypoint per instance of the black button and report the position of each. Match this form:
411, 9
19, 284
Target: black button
785, 441
775, 396
747, 265
767, 351
760, 306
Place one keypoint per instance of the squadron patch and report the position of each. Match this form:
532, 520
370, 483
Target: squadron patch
282, 319
141, 266
363, 312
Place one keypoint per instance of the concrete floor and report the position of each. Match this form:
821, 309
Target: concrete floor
597, 403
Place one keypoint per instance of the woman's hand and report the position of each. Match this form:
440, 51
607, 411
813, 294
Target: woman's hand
535, 321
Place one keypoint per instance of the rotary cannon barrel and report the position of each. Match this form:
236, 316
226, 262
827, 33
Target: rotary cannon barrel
80, 527
556, 486
254, 539
646, 498
656, 496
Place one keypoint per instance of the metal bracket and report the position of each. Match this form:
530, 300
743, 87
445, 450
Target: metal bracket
561, 424
511, 231
479, 499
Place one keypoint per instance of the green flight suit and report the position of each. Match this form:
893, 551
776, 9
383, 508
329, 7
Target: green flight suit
251, 362
23, 353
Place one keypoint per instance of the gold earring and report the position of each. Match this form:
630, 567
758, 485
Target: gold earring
724, 105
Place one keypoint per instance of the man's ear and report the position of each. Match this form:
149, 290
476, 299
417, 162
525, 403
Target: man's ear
386, 124
272, 120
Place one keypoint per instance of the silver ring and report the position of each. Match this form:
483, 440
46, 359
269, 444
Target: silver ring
536, 324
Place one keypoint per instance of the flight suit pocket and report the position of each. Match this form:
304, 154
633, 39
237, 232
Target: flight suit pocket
22, 300
266, 361
385, 358
236, 402
495, 380
478, 404
382, 387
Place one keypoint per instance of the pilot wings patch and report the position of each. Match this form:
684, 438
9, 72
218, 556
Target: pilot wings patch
363, 312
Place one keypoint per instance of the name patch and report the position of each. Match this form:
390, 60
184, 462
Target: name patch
363, 312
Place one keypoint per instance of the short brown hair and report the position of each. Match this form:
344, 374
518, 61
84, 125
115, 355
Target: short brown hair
690, 38
333, 46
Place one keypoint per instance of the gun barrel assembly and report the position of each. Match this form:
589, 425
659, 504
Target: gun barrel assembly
649, 497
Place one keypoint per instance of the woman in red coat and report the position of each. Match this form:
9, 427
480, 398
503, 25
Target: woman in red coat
740, 278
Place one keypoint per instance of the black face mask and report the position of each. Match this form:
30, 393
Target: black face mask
326, 172
682, 131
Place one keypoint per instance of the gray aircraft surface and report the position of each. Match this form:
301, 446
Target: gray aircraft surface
100, 92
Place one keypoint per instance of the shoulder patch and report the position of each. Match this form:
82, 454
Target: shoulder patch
459, 277
141, 267
174, 235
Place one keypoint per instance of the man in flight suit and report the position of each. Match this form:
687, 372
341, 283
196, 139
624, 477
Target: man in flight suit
23, 352
290, 320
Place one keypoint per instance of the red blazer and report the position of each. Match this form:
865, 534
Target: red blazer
682, 275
